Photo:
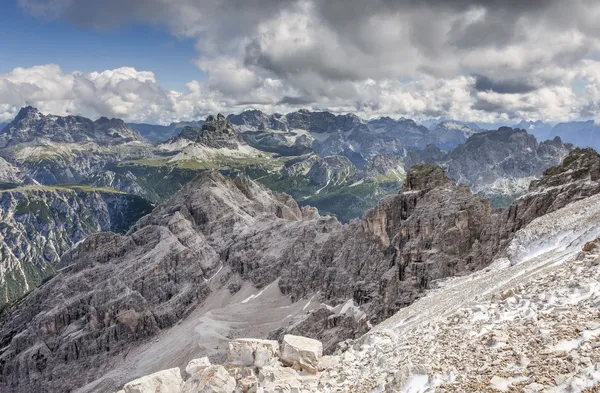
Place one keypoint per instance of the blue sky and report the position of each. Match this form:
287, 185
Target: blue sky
27, 41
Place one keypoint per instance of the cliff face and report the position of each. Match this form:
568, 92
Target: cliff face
40, 223
115, 292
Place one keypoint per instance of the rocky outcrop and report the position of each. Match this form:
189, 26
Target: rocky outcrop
277, 373
39, 224
216, 132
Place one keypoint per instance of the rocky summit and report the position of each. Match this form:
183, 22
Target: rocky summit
201, 266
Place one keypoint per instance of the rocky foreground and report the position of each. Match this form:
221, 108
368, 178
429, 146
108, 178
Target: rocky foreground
526, 324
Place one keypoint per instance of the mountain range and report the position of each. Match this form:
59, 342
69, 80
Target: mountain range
191, 276
338, 163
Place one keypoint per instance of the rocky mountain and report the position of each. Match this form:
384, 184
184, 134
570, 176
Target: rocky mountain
579, 133
216, 137
30, 125
222, 249
541, 130
512, 312
498, 164
57, 150
450, 134
327, 134
39, 224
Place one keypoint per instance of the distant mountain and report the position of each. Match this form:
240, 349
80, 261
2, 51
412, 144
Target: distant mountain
449, 134
58, 150
157, 133
498, 164
215, 138
539, 129
579, 133
31, 125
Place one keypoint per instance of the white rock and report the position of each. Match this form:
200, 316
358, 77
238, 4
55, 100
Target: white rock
279, 379
248, 385
213, 379
301, 352
165, 381
196, 365
252, 352
328, 362
533, 388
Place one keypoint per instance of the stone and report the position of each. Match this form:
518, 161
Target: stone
252, 352
165, 381
248, 385
213, 379
279, 379
301, 353
196, 366
533, 388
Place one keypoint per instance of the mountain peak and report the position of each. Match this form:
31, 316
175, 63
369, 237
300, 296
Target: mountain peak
27, 112
421, 177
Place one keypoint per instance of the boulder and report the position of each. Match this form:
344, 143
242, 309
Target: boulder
248, 385
252, 352
196, 366
165, 381
279, 379
302, 353
213, 379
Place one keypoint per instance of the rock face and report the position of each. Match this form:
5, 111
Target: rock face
39, 224
115, 292
331, 170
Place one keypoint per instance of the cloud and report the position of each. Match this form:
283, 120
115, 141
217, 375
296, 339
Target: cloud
473, 59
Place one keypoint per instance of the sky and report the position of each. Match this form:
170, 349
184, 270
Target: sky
159, 61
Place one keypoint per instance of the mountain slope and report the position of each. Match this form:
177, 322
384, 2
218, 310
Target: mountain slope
39, 224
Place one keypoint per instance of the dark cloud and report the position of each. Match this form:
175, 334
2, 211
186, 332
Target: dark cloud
484, 83
295, 101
